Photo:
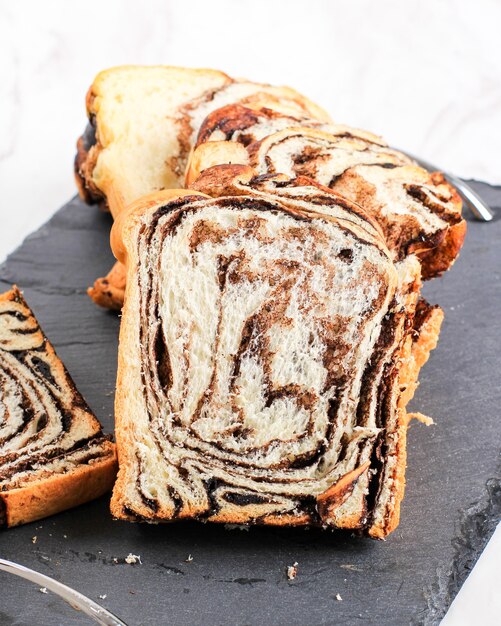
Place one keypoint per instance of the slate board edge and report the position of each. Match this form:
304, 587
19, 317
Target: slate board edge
474, 524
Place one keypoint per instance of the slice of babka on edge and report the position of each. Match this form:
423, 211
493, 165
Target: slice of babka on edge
266, 356
418, 211
53, 453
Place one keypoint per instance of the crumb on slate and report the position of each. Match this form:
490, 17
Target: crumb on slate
34, 539
132, 559
103, 596
292, 571
189, 559
338, 597
351, 567
43, 590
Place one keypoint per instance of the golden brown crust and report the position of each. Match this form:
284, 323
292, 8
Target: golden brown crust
109, 291
415, 354
438, 260
337, 494
60, 492
426, 330
213, 154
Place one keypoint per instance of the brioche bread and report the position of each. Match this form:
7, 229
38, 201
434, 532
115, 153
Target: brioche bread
261, 374
143, 122
53, 454
419, 212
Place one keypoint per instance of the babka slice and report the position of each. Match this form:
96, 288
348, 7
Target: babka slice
53, 453
143, 122
418, 211
261, 373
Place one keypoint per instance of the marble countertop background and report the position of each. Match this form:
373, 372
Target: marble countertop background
425, 74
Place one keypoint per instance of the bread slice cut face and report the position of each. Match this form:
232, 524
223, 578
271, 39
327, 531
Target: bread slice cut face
418, 211
53, 453
260, 374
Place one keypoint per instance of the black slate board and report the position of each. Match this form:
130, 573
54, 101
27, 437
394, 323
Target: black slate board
452, 504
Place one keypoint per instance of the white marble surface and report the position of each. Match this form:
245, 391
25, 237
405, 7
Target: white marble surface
424, 74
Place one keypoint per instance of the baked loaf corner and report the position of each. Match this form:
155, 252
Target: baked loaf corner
264, 359
53, 453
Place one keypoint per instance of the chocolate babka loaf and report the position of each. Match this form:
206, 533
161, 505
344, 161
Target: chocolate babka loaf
53, 454
418, 211
268, 346
143, 122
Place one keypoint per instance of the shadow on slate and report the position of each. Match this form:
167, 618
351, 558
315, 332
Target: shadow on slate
452, 504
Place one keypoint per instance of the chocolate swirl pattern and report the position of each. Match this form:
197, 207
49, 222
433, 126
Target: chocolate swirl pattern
260, 374
240, 123
247, 96
419, 212
53, 454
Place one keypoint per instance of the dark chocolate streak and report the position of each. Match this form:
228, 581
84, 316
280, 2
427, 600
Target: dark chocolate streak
44, 369
17, 314
244, 499
425, 197
89, 135
228, 120
429, 198
35, 378
318, 199
156, 373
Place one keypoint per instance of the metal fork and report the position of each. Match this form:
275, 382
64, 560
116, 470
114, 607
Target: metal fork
477, 206
74, 598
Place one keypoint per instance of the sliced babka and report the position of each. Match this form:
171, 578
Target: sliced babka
53, 453
419, 212
267, 351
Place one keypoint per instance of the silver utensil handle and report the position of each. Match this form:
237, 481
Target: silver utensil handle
478, 207
74, 598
